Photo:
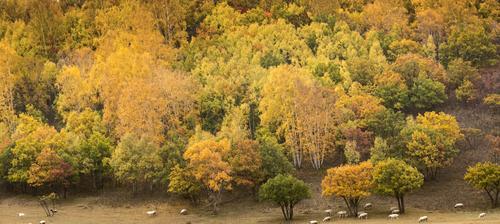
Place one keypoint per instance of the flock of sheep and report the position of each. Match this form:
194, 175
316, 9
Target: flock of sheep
394, 214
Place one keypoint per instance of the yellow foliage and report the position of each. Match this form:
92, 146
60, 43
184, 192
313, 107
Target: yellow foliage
348, 181
208, 160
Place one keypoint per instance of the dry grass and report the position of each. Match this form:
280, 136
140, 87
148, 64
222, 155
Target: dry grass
87, 210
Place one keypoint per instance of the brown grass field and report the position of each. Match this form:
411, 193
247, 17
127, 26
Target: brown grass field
87, 210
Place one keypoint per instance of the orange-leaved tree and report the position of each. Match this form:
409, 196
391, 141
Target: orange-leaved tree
350, 182
208, 160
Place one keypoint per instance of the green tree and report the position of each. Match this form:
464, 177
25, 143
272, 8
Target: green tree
471, 43
426, 93
286, 191
485, 176
274, 161
392, 89
30, 137
136, 161
396, 178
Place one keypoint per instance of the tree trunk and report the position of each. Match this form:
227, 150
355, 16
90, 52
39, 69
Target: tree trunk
285, 215
495, 204
347, 205
94, 184
402, 208
134, 188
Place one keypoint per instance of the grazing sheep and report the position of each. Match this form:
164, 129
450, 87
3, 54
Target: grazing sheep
329, 212
393, 216
43, 222
313, 222
184, 211
342, 214
21, 214
459, 205
53, 211
327, 219
395, 211
363, 215
482, 215
151, 213
368, 206
422, 219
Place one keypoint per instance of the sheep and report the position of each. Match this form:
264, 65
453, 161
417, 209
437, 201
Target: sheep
482, 215
54, 211
329, 212
327, 219
184, 211
459, 205
151, 213
393, 208
393, 216
342, 214
395, 211
422, 219
43, 222
363, 215
21, 214
313, 222
368, 206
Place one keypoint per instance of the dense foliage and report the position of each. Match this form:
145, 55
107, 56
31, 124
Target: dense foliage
396, 178
201, 97
286, 191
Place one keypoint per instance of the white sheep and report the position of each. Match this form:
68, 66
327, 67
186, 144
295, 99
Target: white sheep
423, 219
395, 211
393, 208
482, 215
21, 214
342, 214
313, 222
184, 211
393, 216
151, 213
329, 212
43, 222
327, 219
368, 206
363, 215
459, 205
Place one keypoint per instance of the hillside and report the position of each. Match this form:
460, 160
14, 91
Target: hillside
250, 110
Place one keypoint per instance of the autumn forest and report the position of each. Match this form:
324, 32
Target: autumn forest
199, 99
